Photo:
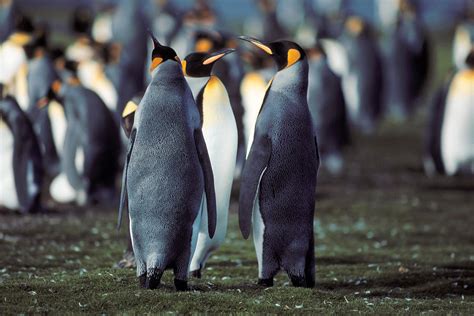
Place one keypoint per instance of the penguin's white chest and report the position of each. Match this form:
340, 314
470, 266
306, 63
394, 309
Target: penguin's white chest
252, 89
221, 142
8, 196
58, 125
457, 134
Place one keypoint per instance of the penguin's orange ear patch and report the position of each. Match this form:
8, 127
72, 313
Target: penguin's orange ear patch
130, 108
212, 59
155, 63
56, 86
183, 66
355, 25
203, 45
293, 56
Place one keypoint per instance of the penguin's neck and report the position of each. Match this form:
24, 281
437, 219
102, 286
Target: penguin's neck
214, 101
168, 70
293, 79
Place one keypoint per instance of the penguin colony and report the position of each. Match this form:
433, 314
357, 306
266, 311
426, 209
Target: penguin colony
197, 120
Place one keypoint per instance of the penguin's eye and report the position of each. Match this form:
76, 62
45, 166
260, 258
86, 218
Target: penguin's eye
293, 56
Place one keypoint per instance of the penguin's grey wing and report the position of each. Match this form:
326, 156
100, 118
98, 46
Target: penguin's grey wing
20, 170
256, 163
208, 181
434, 126
123, 192
71, 142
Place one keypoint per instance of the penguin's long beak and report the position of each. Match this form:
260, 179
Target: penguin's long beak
257, 43
212, 58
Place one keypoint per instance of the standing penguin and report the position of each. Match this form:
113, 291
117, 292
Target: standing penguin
220, 133
20, 160
450, 146
408, 61
328, 110
362, 85
167, 175
48, 125
277, 192
230, 71
91, 144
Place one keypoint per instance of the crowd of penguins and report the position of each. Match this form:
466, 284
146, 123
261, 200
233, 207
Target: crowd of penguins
200, 107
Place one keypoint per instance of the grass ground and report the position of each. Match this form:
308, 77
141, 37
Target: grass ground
388, 240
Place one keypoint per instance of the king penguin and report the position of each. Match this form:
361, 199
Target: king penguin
91, 147
362, 85
20, 160
450, 145
220, 133
167, 175
49, 126
328, 110
277, 191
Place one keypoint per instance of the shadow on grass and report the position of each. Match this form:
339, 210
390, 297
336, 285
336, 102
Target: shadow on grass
419, 284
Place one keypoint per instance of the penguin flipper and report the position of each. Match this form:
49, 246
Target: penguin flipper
123, 192
20, 163
208, 181
256, 163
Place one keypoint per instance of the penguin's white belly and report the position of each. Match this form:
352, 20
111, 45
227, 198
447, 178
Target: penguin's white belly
58, 125
12, 57
337, 57
8, 196
92, 76
457, 137
79, 160
61, 191
351, 95
252, 89
258, 227
197, 227
221, 142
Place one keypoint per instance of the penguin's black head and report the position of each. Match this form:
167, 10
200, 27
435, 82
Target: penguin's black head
161, 53
285, 53
200, 64
207, 41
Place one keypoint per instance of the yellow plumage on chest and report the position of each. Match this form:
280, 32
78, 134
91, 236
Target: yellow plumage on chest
214, 101
463, 83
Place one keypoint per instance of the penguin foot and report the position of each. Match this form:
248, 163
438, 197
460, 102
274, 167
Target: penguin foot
127, 261
196, 273
265, 282
300, 281
153, 278
181, 285
142, 280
